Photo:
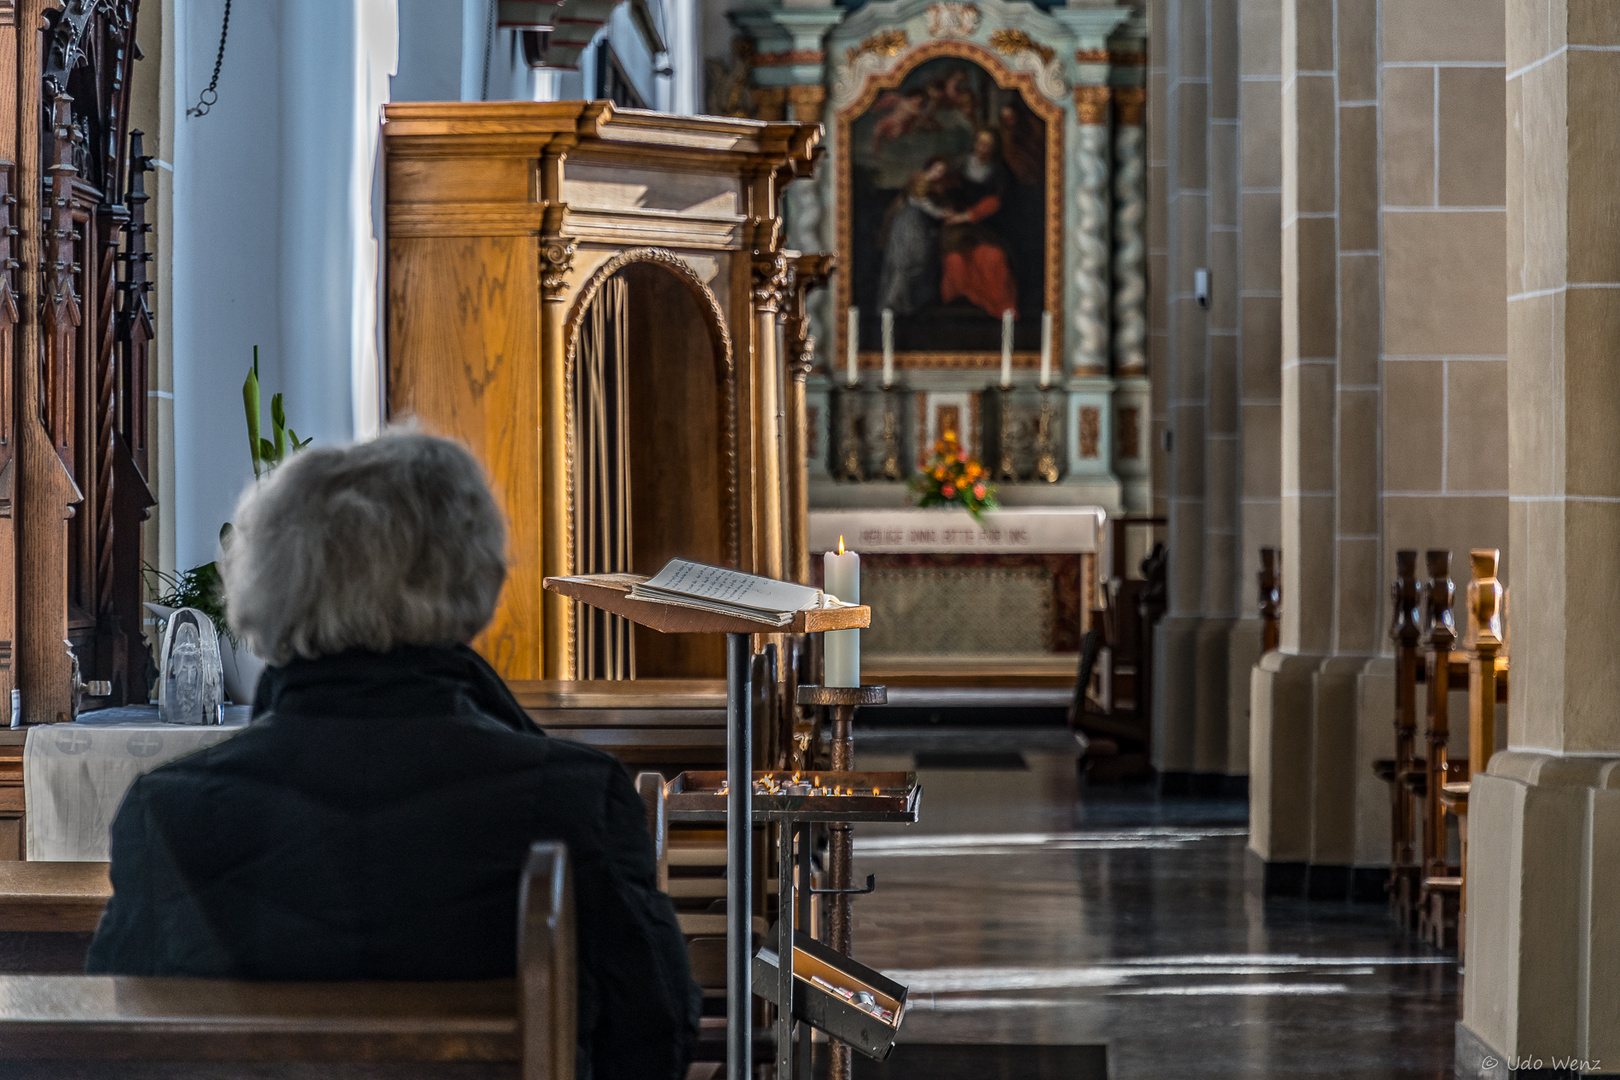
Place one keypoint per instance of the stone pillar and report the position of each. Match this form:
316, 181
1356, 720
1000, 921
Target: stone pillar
1543, 931
1303, 697
1175, 668
1222, 389
1259, 372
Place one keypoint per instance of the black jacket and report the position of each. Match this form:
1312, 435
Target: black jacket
372, 823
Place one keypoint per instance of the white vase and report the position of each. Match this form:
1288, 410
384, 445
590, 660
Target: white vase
242, 667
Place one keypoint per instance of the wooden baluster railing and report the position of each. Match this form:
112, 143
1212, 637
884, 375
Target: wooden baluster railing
1406, 631
1439, 635
1438, 899
1270, 597
1485, 634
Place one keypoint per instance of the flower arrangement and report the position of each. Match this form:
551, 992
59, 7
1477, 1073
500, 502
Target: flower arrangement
951, 478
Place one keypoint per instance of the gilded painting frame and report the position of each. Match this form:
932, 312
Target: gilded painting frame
1051, 113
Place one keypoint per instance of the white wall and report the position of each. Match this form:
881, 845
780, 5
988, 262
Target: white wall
273, 235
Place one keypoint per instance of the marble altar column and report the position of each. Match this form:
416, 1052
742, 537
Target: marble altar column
1543, 927
1132, 423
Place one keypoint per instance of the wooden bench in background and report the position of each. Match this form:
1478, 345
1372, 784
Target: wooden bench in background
1426, 888
56, 1027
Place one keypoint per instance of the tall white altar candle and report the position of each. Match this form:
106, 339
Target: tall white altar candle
1006, 347
841, 649
853, 353
888, 348
1046, 349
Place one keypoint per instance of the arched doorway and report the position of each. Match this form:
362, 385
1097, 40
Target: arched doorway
653, 428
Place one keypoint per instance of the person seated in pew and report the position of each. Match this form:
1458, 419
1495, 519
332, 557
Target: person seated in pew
373, 820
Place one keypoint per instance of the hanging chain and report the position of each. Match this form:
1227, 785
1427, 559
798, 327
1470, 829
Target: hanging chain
210, 95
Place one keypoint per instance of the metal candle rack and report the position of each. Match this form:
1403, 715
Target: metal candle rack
826, 997
611, 592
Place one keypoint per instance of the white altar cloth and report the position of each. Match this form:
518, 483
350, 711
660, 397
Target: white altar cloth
1010, 530
75, 775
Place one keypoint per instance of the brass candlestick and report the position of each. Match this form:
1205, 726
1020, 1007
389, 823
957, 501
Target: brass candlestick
891, 437
1046, 465
849, 439
1005, 468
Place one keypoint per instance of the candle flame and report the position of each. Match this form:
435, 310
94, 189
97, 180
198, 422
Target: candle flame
840, 543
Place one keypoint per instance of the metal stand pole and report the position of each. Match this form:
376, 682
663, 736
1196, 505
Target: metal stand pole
840, 861
806, 1038
739, 858
784, 952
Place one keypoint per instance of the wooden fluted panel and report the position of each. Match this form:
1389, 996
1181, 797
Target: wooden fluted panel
463, 358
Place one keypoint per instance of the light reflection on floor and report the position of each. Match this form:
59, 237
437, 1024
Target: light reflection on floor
1019, 913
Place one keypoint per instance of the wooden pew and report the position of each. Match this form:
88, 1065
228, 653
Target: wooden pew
1405, 773
1485, 640
1442, 883
75, 1026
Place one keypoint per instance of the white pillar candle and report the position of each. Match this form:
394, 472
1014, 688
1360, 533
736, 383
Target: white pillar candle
841, 649
1006, 347
853, 353
1046, 349
888, 348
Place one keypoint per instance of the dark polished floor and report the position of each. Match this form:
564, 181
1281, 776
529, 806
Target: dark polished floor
1022, 911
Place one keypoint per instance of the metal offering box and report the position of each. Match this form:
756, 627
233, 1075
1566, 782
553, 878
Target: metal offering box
819, 974
808, 796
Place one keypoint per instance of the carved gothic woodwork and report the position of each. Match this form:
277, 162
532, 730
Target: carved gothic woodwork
504, 222
73, 379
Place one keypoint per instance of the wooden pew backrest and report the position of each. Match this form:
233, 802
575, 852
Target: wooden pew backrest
55, 1027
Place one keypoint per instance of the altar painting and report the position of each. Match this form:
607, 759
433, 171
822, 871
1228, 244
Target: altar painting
946, 211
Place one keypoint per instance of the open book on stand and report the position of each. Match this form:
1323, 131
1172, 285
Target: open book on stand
731, 592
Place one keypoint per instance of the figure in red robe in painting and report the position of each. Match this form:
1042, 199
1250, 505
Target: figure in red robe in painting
973, 257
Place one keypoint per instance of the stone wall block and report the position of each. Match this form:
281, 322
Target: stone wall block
1444, 30
1445, 283
1476, 406
1262, 347
1414, 440
1408, 150
1594, 162
1262, 119
1472, 136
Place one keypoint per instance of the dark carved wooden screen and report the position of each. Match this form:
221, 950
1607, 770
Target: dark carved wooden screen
94, 332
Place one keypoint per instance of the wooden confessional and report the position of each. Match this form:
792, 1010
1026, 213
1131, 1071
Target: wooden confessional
73, 355
588, 297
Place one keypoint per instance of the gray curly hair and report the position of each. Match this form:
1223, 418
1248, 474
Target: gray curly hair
392, 542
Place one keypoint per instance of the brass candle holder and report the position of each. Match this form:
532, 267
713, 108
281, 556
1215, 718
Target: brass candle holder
850, 465
892, 469
1046, 462
1006, 469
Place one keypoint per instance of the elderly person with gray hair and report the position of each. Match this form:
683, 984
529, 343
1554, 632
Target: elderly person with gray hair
372, 821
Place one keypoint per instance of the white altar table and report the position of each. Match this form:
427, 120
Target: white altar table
976, 601
75, 775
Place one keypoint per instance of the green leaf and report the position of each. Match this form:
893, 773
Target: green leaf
250, 403
278, 423
267, 453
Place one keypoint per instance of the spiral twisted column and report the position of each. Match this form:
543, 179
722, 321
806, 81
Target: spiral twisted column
1130, 249
1091, 231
